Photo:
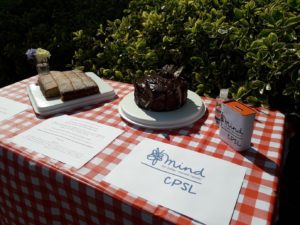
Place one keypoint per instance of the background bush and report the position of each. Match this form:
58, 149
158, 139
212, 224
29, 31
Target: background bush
250, 46
47, 24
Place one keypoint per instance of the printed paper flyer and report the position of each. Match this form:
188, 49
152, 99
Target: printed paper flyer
201, 187
71, 140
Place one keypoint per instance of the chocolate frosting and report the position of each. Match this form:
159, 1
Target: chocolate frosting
164, 91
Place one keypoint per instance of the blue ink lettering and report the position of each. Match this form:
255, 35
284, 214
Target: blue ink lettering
199, 172
230, 127
165, 180
190, 190
181, 167
158, 155
184, 186
234, 140
176, 182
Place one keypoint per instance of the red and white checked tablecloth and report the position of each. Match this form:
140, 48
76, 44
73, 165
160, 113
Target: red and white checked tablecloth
35, 189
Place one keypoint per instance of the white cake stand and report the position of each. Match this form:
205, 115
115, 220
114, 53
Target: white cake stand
191, 111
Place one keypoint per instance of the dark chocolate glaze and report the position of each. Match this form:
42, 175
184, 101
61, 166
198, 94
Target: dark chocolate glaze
160, 92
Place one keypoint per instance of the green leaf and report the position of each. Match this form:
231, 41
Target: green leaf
196, 59
288, 91
251, 55
297, 96
277, 14
257, 43
140, 44
216, 2
200, 88
198, 77
265, 32
293, 20
268, 87
118, 74
106, 72
244, 22
253, 100
151, 56
239, 14
220, 21
272, 37
257, 84
242, 90
250, 5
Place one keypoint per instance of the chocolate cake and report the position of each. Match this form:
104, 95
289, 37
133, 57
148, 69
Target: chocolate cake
67, 85
164, 91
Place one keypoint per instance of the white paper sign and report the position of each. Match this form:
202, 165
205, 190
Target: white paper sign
71, 140
9, 108
201, 187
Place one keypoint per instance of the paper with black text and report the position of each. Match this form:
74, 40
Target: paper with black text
201, 187
9, 108
71, 140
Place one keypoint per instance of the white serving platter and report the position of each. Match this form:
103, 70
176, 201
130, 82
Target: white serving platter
43, 106
191, 111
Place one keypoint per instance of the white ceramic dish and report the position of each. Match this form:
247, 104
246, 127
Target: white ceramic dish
44, 106
192, 111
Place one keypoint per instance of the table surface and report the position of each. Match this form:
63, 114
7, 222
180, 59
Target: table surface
40, 190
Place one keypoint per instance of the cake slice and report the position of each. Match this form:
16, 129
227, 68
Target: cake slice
75, 84
64, 83
48, 86
68, 85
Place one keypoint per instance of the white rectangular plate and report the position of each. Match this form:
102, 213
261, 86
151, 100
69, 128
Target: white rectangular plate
44, 106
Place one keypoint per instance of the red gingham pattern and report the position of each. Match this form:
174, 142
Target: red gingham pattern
38, 190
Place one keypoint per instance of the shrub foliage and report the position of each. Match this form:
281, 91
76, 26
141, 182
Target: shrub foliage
250, 46
47, 24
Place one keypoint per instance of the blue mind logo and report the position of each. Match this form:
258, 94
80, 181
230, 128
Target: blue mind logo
156, 156
159, 155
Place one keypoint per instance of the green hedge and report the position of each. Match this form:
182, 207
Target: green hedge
47, 24
250, 46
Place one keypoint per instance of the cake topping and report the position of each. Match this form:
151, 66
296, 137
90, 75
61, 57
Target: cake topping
164, 91
170, 71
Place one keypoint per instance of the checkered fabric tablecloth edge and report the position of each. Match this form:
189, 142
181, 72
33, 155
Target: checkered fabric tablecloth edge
257, 198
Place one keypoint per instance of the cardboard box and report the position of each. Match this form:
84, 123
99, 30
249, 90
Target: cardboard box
236, 125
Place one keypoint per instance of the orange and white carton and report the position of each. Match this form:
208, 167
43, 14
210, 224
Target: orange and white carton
236, 125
